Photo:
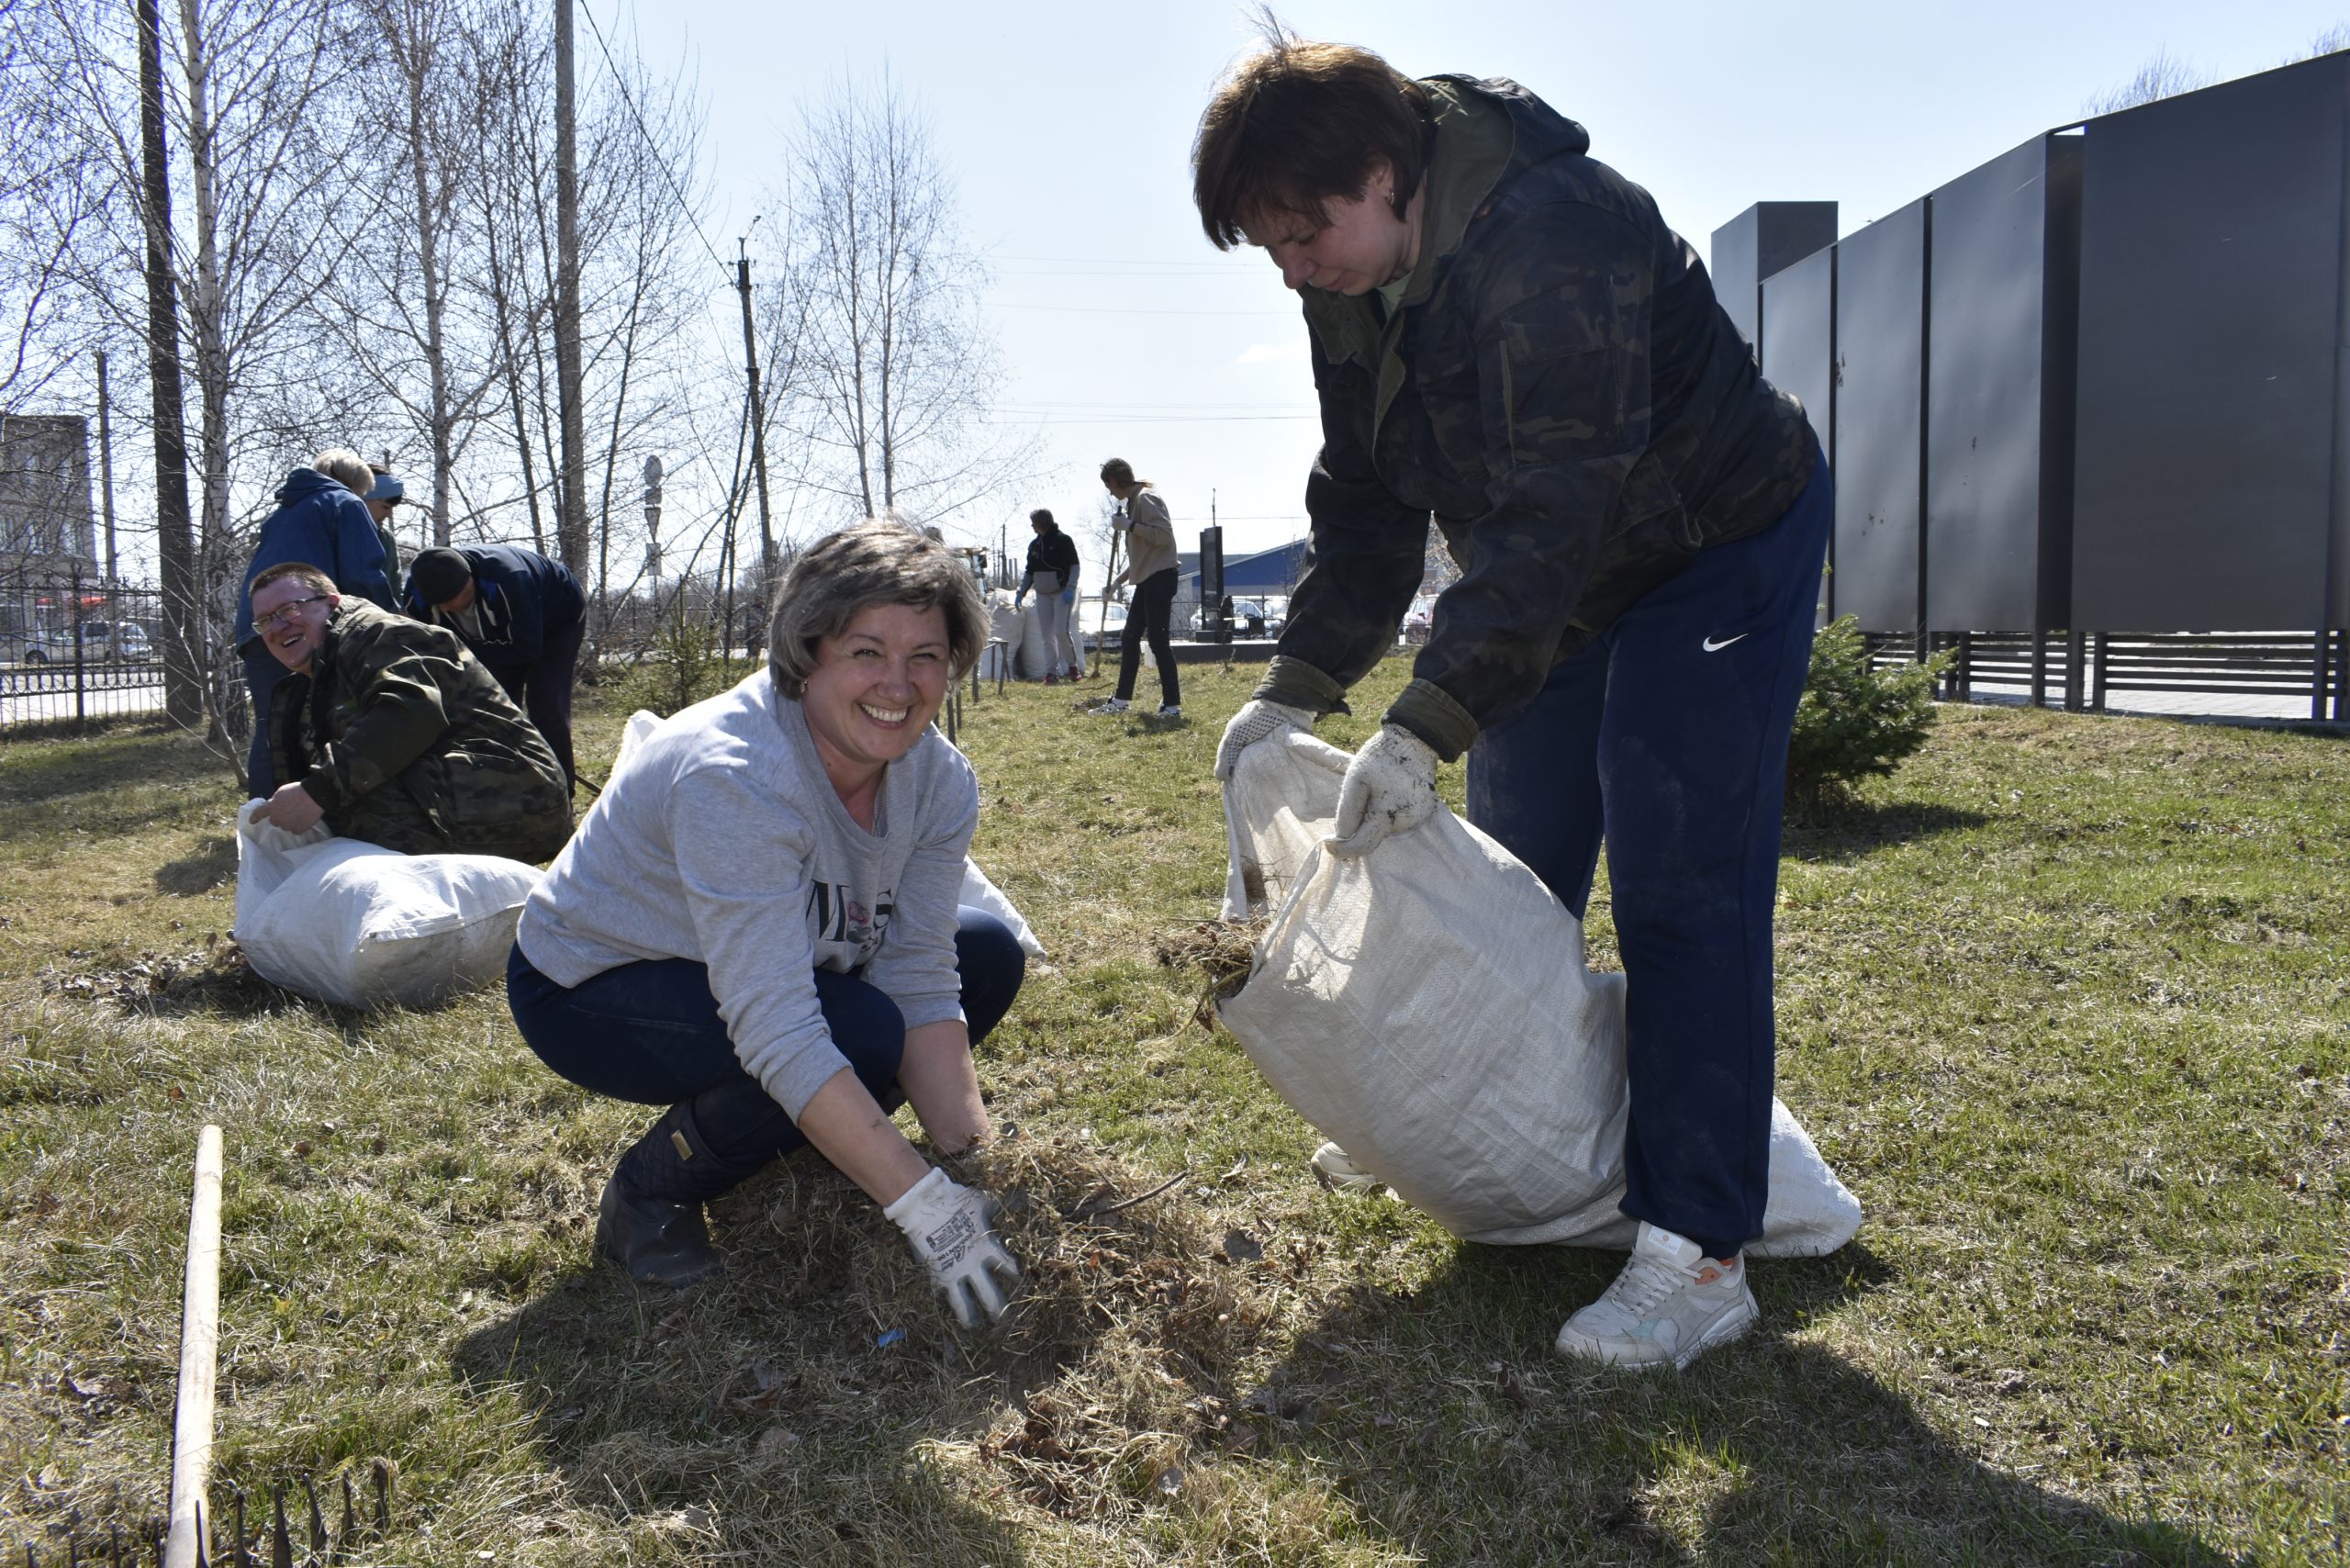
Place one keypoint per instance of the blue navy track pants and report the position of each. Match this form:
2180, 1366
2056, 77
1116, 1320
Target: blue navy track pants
1666, 737
650, 1032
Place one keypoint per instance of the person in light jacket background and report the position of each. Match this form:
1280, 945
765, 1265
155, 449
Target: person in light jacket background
1150, 566
1052, 573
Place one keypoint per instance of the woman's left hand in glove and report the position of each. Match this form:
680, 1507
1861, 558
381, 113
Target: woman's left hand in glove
1389, 788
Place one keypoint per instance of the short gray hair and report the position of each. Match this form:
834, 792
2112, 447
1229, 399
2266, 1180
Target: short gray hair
346, 468
878, 561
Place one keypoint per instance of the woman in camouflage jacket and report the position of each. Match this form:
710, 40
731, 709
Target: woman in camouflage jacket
1508, 337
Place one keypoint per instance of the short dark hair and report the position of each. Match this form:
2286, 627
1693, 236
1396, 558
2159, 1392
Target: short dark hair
878, 561
1043, 515
312, 578
1298, 124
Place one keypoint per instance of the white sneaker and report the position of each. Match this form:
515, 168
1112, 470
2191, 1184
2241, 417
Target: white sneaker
1340, 1173
1168, 711
1670, 1304
1111, 705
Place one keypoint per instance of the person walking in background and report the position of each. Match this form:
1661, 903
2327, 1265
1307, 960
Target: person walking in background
1508, 335
322, 521
385, 493
521, 615
1052, 574
1150, 566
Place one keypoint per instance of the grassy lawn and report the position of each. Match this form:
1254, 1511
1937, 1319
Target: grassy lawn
2065, 1002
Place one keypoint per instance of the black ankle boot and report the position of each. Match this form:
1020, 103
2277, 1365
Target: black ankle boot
650, 1220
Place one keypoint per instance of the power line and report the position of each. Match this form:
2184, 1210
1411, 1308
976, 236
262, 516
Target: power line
1152, 419
1235, 265
653, 146
1121, 310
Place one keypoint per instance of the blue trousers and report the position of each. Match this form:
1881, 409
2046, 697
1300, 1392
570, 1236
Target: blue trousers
650, 1032
1666, 738
262, 672
541, 688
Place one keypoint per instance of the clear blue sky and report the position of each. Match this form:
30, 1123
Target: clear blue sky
1068, 130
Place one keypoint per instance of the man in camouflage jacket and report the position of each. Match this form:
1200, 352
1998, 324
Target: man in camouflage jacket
1506, 336
396, 733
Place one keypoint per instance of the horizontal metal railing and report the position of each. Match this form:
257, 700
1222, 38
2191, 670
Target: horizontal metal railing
2083, 671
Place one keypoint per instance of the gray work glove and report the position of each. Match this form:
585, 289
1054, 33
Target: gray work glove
1389, 788
952, 1229
1256, 720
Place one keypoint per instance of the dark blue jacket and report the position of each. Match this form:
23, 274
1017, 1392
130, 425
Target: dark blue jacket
319, 522
521, 597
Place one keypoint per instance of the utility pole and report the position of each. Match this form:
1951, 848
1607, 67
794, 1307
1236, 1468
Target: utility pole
758, 416
571, 521
174, 531
106, 463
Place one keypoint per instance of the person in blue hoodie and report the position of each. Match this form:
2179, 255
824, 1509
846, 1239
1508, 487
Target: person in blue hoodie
521, 615
319, 519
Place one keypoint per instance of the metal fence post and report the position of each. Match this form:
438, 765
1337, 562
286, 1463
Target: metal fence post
74, 630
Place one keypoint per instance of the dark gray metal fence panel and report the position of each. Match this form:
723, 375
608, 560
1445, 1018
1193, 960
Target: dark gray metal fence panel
2211, 237
1733, 267
1988, 508
1798, 323
1799, 332
1766, 239
1880, 358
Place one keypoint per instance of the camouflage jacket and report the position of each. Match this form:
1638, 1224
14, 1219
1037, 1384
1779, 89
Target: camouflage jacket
407, 741
1560, 387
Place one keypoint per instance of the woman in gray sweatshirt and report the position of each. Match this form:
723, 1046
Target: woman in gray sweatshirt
756, 926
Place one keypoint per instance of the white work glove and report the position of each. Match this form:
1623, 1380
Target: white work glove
1256, 720
952, 1228
1120, 521
1389, 788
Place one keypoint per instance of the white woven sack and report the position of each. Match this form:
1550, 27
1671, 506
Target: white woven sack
354, 923
1427, 1007
1030, 661
977, 892
1004, 636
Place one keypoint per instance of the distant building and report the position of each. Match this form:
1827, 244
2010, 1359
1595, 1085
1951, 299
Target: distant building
47, 527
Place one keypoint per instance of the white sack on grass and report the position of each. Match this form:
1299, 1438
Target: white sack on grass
1004, 636
983, 894
1427, 1007
357, 924
977, 892
1030, 661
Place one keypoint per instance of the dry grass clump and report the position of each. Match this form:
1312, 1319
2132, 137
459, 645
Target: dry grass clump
1224, 951
1145, 1304
217, 975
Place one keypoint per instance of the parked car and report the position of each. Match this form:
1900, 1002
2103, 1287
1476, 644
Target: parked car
1250, 617
123, 642
1092, 627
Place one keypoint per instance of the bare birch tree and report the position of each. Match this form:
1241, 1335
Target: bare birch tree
246, 220
901, 370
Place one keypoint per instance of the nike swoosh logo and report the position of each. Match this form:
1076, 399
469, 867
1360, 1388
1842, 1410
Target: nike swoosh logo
1714, 647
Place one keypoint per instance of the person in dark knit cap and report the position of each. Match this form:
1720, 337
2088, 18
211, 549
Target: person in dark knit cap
521, 615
